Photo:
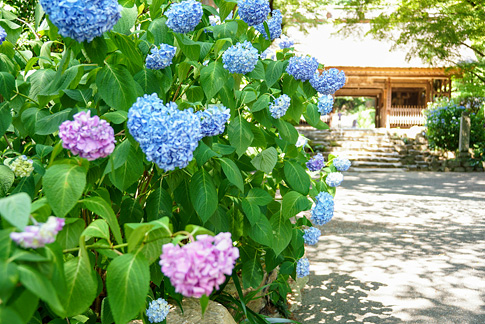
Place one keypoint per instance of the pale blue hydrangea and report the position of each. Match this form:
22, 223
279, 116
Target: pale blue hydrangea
325, 104
274, 25
160, 57
157, 310
302, 268
3, 35
268, 54
328, 81
184, 16
311, 235
279, 107
240, 58
302, 141
82, 20
341, 163
334, 179
322, 213
213, 120
285, 42
302, 68
253, 12
167, 136
316, 163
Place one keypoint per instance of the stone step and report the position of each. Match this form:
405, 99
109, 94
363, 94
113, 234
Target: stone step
355, 155
368, 164
352, 139
357, 149
352, 169
376, 159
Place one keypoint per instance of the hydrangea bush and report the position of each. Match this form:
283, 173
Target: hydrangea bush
148, 154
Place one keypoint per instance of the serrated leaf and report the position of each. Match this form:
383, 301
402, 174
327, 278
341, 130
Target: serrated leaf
203, 194
15, 209
297, 178
212, 78
100, 207
99, 228
251, 210
158, 204
240, 135
7, 178
266, 160
7, 85
281, 232
293, 203
259, 197
117, 87
232, 173
5, 117
261, 231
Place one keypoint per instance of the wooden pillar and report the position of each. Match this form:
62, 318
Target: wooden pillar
388, 102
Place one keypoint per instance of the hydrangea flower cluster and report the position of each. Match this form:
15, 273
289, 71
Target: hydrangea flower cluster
325, 104
302, 68
82, 20
198, 267
240, 58
37, 236
184, 16
213, 120
302, 268
316, 163
167, 136
311, 235
334, 179
253, 12
157, 310
3, 35
268, 54
21, 166
328, 81
274, 25
160, 57
285, 42
89, 137
341, 163
322, 213
279, 107
302, 141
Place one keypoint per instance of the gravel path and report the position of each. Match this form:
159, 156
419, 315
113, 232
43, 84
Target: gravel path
401, 248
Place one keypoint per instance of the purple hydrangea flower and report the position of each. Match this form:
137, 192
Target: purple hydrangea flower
240, 58
285, 42
160, 57
341, 163
253, 12
37, 236
325, 104
329, 81
279, 107
316, 163
21, 166
274, 25
82, 20
311, 235
89, 137
302, 68
184, 16
198, 267
302, 268
213, 120
157, 310
322, 213
334, 179
3, 35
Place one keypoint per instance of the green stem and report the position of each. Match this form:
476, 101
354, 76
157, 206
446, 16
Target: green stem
8, 143
97, 247
26, 97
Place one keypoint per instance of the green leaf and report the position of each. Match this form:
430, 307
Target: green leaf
297, 177
204, 302
252, 211
31, 116
261, 103
68, 238
100, 207
261, 231
203, 194
274, 70
116, 117
98, 228
190, 48
9, 316
25, 305
293, 203
5, 117
148, 81
223, 149
127, 20
161, 33
266, 160
281, 232
129, 49
15, 209
7, 178
259, 196
312, 116
225, 7
7, 85
130, 170
203, 153
96, 50
64, 185
158, 204
225, 30
232, 173
117, 87
252, 272
127, 283
39, 79
50, 124
240, 135
212, 78
287, 131
258, 72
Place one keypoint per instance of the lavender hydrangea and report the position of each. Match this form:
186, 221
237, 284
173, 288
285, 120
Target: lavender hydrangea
325, 104
184, 16
302, 68
302, 268
157, 310
311, 235
253, 12
160, 57
213, 120
328, 81
89, 137
198, 267
279, 107
82, 20
240, 58
21, 166
37, 236
316, 163
3, 35
167, 136
322, 212
274, 25
285, 42
341, 163
334, 179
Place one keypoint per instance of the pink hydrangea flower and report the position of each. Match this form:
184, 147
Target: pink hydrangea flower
37, 236
198, 267
86, 136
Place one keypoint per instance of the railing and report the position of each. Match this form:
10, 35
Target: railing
406, 116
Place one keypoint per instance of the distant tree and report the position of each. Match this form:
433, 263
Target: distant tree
303, 14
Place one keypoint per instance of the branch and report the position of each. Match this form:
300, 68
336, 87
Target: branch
473, 49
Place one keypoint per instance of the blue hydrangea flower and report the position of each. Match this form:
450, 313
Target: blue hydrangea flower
322, 213
274, 25
316, 163
334, 179
329, 81
82, 20
325, 104
302, 141
302, 268
302, 68
3, 35
184, 16
157, 310
268, 54
279, 107
285, 42
167, 136
341, 163
311, 235
253, 12
213, 120
160, 57
240, 58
